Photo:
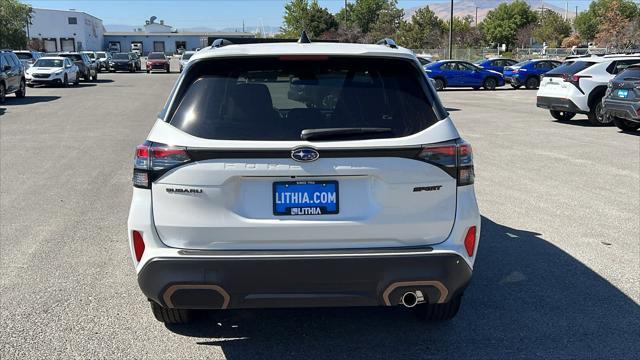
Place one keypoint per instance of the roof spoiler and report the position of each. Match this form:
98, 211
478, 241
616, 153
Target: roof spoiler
218, 43
388, 42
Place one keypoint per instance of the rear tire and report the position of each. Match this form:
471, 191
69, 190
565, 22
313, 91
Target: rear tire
439, 84
597, 116
562, 115
532, 83
489, 83
95, 77
22, 90
170, 316
438, 312
3, 93
626, 125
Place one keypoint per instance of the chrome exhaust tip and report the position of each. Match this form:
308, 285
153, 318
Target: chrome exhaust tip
411, 299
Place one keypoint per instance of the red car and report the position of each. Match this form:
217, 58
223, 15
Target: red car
158, 61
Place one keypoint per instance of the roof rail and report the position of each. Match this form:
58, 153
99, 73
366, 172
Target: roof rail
217, 43
388, 42
304, 39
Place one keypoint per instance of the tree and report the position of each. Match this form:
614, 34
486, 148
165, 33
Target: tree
423, 31
304, 15
587, 23
501, 24
613, 28
464, 34
388, 23
571, 41
14, 17
551, 28
524, 35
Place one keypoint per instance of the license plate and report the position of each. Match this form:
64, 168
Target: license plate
305, 197
623, 93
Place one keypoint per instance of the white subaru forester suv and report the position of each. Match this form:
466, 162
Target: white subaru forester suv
303, 175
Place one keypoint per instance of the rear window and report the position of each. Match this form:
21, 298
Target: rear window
570, 68
101, 55
187, 56
275, 99
74, 57
24, 56
630, 73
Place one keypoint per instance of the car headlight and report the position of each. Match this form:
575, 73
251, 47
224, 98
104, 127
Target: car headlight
59, 72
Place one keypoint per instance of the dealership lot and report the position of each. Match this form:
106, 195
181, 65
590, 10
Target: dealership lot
557, 274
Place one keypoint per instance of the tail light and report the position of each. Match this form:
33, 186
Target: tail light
152, 160
574, 79
456, 159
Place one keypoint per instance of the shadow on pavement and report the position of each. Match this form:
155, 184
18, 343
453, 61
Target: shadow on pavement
528, 299
30, 99
634, 133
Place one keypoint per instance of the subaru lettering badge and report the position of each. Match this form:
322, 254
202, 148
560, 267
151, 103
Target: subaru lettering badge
304, 154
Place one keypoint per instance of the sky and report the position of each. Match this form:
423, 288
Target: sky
215, 14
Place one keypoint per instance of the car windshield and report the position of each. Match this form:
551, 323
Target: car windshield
74, 57
277, 98
121, 56
24, 56
48, 63
630, 73
156, 56
186, 56
101, 55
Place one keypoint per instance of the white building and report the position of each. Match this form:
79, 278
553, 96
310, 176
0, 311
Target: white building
62, 30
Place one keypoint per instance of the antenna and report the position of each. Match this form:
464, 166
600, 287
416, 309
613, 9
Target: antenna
304, 39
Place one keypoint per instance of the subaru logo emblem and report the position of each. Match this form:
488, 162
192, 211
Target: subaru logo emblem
304, 154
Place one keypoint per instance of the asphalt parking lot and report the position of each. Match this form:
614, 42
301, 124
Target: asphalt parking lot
557, 274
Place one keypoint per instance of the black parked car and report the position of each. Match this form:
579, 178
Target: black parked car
12, 79
136, 60
88, 70
122, 61
622, 100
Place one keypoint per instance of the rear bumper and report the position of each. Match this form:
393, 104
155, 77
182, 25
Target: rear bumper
623, 109
558, 104
220, 280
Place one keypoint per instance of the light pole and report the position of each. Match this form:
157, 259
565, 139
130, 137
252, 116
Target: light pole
451, 33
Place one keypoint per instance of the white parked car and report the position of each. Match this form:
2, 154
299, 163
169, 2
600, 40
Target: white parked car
579, 85
53, 70
184, 59
354, 189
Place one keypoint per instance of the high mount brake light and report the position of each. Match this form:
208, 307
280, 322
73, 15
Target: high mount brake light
154, 159
456, 159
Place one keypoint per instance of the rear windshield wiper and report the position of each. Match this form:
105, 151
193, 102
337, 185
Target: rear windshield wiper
333, 133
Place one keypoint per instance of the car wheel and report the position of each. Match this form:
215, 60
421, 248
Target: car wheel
515, 86
532, 83
3, 93
168, 69
22, 91
439, 84
489, 84
65, 81
170, 316
562, 115
597, 116
626, 125
76, 81
148, 71
438, 312
95, 77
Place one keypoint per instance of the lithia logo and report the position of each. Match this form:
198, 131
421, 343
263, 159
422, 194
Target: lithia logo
183, 191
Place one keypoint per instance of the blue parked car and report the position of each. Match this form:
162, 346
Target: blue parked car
456, 73
495, 64
528, 72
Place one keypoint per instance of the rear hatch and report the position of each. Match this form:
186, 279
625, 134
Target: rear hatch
626, 86
559, 82
304, 153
